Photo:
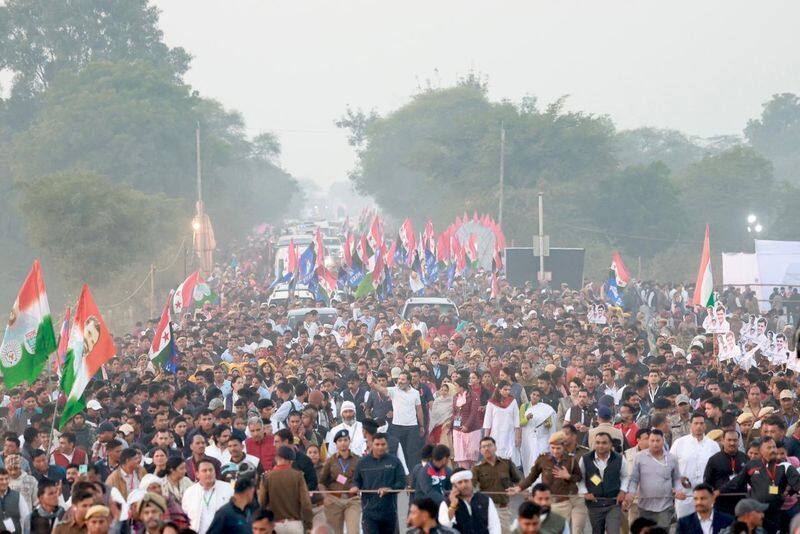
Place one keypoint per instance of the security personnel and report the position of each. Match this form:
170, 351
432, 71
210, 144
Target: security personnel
767, 481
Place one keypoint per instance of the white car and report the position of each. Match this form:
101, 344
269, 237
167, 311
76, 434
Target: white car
280, 295
441, 305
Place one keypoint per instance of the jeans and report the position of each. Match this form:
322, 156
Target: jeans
379, 526
408, 436
604, 518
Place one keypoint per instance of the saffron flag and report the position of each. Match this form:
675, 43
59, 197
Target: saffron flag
90, 346
29, 338
704, 287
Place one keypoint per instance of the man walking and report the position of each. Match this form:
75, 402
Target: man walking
377, 475
495, 475
284, 491
693, 452
407, 427
604, 479
656, 476
337, 475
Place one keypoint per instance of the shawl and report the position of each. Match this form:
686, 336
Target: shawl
441, 411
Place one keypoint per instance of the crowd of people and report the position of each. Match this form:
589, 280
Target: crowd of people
517, 414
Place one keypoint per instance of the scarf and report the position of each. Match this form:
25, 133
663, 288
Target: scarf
441, 411
502, 403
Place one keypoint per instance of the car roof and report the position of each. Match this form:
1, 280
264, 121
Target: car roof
429, 300
303, 311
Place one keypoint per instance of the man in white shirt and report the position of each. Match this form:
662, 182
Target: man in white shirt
693, 452
407, 426
358, 443
202, 499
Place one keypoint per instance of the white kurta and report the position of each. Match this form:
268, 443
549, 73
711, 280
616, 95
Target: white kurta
536, 434
692, 458
500, 424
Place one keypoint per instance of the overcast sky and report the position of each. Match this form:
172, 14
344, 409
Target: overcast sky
292, 66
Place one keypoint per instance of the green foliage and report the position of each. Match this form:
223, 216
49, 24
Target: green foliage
93, 228
722, 189
641, 146
439, 155
41, 38
135, 124
776, 135
648, 198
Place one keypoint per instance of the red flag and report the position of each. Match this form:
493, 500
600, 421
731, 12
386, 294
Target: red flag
348, 245
320, 249
292, 261
390, 254
620, 272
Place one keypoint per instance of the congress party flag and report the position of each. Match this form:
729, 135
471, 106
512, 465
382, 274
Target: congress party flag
29, 338
704, 287
90, 346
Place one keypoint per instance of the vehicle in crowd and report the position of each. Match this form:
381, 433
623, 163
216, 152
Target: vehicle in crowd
324, 316
440, 304
280, 295
301, 241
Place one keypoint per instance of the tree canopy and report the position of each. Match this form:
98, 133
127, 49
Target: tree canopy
648, 192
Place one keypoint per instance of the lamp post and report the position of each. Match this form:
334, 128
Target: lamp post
754, 227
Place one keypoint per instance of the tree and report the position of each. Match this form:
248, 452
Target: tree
135, 124
93, 228
722, 189
41, 38
641, 146
640, 200
776, 135
438, 156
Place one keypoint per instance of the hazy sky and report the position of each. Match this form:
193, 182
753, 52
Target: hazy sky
292, 66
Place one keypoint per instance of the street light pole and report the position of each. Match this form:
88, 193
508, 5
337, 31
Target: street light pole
502, 171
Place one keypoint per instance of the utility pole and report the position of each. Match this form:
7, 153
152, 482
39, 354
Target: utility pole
152, 290
199, 170
541, 235
541, 243
502, 171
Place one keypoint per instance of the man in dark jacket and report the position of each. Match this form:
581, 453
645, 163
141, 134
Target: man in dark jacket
704, 513
237, 515
722, 466
383, 472
766, 480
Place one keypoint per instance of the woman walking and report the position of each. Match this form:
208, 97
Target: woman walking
501, 422
466, 425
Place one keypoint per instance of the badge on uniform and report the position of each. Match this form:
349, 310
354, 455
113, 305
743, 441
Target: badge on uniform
596, 480
773, 489
341, 479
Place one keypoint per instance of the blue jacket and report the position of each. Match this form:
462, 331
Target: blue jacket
690, 524
375, 473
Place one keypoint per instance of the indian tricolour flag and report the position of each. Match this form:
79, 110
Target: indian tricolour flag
90, 346
162, 350
29, 339
704, 288
191, 295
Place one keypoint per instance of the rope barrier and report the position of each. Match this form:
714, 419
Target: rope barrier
409, 490
147, 277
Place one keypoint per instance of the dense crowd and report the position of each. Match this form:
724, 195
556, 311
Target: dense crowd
518, 414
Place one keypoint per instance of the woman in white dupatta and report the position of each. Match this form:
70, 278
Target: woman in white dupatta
537, 431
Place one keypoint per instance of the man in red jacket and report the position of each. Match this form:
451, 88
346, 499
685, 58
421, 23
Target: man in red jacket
260, 443
67, 453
